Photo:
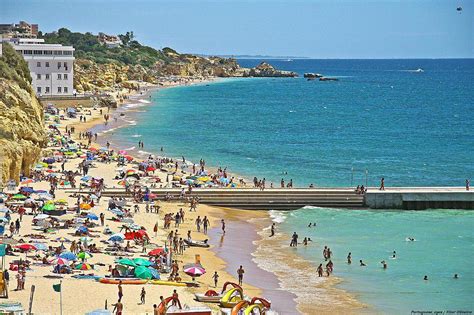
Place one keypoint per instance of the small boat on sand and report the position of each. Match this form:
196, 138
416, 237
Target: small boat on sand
212, 296
194, 243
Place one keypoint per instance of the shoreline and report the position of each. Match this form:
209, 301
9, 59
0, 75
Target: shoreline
338, 300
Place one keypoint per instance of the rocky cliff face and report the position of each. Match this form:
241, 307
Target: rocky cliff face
91, 76
21, 118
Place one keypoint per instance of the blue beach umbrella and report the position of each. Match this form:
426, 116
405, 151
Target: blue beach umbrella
154, 273
82, 229
68, 256
86, 178
92, 216
40, 246
118, 237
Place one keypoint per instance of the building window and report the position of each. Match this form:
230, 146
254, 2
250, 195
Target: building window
59, 76
47, 89
59, 65
38, 76
46, 76
67, 53
38, 64
27, 52
65, 76
47, 64
37, 52
59, 89
65, 65
58, 52
65, 89
48, 52
38, 89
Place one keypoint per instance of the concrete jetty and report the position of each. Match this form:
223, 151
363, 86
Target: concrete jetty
408, 198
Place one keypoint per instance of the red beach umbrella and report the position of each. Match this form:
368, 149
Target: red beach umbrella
150, 169
128, 157
156, 252
26, 247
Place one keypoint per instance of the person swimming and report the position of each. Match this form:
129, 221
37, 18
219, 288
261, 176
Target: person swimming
425, 278
456, 276
349, 258
309, 225
384, 264
362, 263
394, 255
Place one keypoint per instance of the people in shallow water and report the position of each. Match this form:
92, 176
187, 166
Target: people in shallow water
425, 278
362, 263
394, 255
456, 276
349, 258
384, 264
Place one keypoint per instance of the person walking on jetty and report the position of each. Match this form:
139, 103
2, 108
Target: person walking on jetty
382, 184
240, 273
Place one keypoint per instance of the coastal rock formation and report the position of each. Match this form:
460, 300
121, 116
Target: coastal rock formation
267, 70
21, 115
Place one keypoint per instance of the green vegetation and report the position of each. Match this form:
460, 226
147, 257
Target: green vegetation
87, 46
14, 67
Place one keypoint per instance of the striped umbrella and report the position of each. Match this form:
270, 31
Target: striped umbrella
194, 271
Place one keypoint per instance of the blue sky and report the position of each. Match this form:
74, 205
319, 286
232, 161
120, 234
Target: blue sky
319, 29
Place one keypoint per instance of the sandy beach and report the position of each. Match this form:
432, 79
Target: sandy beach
265, 260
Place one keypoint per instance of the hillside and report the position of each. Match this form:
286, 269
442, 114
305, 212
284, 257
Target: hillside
21, 115
100, 68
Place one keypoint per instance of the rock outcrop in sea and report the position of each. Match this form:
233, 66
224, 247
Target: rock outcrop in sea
21, 118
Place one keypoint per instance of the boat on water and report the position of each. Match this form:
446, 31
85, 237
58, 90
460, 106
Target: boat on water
328, 79
419, 70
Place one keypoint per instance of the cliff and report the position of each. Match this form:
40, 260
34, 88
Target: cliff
22, 132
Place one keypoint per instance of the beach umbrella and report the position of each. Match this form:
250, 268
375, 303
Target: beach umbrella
92, 216
85, 206
68, 256
26, 190
194, 271
40, 246
142, 262
122, 152
82, 229
83, 266
85, 239
142, 272
154, 273
26, 247
61, 202
62, 239
84, 255
128, 158
156, 252
59, 261
19, 197
86, 178
41, 216
99, 312
27, 181
49, 207
126, 262
118, 237
93, 149
150, 169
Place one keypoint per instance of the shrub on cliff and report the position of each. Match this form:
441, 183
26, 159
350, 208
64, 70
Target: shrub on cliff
14, 67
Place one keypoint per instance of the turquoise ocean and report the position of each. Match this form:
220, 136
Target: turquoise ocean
381, 119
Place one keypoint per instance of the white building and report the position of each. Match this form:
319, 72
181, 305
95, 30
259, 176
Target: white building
51, 66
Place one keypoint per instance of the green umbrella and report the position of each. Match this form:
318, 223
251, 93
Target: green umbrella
49, 207
84, 255
142, 272
126, 262
19, 196
142, 262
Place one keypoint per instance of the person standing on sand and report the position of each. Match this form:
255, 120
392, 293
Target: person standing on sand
216, 278
223, 226
118, 308
102, 219
240, 273
120, 292
142, 296
382, 184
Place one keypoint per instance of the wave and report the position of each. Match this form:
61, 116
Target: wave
278, 216
135, 136
128, 149
144, 101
